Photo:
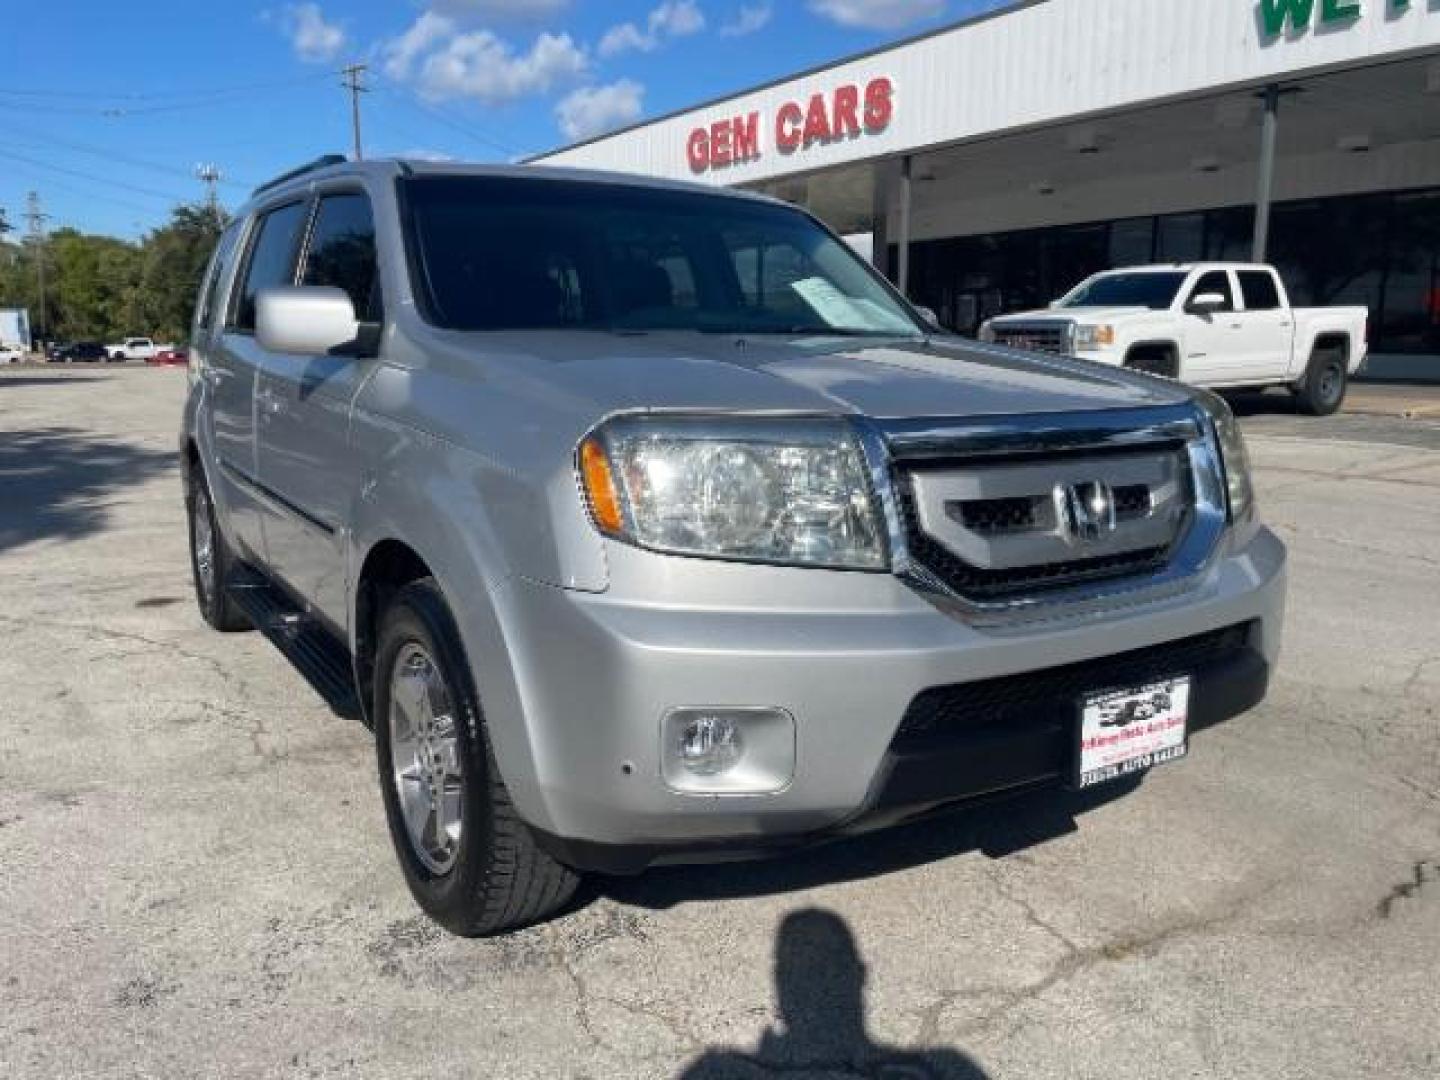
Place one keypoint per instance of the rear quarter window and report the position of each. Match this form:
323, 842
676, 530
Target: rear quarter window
1259, 291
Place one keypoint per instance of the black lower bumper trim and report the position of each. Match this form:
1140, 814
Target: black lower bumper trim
924, 776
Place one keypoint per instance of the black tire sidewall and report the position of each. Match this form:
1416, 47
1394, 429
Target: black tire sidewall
198, 502
419, 615
1311, 397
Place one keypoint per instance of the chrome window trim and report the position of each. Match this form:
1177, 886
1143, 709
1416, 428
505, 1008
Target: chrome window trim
887, 444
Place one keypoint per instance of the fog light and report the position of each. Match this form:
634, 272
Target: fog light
710, 744
727, 750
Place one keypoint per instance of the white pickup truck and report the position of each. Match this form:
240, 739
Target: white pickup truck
1208, 324
135, 348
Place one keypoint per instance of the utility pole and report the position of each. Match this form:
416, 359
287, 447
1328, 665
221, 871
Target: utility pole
36, 219
354, 82
210, 175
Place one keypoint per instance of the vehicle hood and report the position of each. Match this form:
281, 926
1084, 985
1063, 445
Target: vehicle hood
1075, 314
881, 378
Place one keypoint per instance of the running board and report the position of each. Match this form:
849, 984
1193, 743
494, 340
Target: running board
310, 648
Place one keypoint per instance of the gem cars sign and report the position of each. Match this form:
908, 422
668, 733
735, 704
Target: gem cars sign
850, 111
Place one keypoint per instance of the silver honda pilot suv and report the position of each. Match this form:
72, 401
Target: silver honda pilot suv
647, 523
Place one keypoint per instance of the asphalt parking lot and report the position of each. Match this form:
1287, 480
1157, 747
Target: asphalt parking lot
197, 879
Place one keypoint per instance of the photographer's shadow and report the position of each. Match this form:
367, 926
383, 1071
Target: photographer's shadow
820, 985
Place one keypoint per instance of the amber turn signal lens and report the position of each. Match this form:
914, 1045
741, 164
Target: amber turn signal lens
600, 487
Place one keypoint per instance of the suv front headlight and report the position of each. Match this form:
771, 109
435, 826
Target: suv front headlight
1235, 459
795, 492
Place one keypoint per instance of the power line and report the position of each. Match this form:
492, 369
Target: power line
107, 181
190, 94
448, 121
111, 155
354, 82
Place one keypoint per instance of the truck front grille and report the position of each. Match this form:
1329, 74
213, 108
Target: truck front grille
1047, 338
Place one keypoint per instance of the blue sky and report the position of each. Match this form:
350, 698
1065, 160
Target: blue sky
106, 107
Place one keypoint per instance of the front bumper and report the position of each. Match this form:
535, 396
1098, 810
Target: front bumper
596, 673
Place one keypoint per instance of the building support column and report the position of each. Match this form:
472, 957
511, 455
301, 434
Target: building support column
1268, 129
880, 216
902, 241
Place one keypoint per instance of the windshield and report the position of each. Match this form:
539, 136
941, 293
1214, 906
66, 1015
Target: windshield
503, 253
1155, 290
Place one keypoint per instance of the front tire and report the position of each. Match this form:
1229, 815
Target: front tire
211, 561
470, 862
1322, 391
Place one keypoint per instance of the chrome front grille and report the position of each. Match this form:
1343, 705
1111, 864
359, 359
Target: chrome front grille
991, 529
998, 516
1051, 337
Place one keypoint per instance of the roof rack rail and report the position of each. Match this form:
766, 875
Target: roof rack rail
322, 162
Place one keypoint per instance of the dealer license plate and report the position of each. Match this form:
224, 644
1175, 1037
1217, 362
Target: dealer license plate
1128, 731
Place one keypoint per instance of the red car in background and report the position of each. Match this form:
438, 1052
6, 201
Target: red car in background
178, 355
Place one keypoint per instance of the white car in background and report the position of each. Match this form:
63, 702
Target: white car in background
1209, 324
12, 354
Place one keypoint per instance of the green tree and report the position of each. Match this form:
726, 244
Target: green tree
173, 260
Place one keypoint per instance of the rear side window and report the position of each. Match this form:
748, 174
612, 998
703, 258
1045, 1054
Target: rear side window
210, 293
1259, 291
1216, 281
272, 260
342, 252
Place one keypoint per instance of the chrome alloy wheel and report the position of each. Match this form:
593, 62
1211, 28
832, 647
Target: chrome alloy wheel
425, 757
202, 536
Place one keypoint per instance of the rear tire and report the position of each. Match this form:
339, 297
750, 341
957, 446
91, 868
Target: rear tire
470, 862
1322, 391
211, 561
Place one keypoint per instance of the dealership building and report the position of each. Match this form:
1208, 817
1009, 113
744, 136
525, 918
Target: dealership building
994, 163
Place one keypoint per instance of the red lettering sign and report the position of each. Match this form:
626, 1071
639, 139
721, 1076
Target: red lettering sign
697, 149
724, 143
879, 104
845, 113
787, 127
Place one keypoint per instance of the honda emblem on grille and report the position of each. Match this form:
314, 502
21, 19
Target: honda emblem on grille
1086, 511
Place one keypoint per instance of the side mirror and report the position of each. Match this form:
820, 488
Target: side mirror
928, 316
307, 320
1206, 302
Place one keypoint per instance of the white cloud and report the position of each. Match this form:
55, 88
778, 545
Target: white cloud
483, 66
443, 62
314, 40
672, 19
877, 14
748, 20
593, 110
401, 53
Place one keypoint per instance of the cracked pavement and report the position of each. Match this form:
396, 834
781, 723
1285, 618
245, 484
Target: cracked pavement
197, 880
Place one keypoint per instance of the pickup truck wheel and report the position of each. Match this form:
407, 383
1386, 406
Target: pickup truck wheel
1322, 391
210, 560
469, 860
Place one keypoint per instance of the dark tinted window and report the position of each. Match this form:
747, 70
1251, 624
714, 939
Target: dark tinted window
502, 254
342, 252
1152, 289
1259, 290
1216, 281
210, 296
272, 260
